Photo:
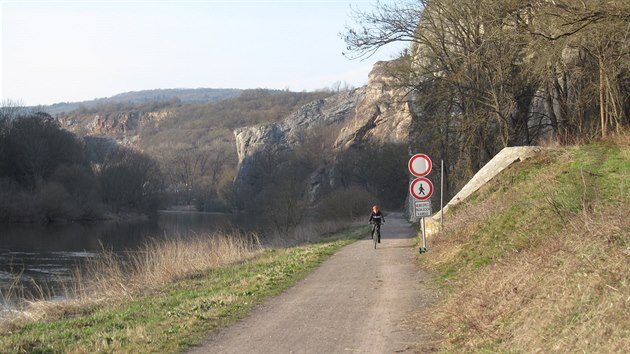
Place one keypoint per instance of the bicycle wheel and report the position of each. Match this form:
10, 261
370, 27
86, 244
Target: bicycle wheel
376, 234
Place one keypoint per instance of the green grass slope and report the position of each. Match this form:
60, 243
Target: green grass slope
538, 260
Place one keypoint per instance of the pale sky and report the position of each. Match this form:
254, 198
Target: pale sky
67, 51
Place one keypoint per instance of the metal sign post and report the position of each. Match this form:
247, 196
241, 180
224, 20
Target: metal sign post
442, 196
421, 190
424, 237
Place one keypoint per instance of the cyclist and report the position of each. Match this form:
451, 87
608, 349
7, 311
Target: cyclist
376, 219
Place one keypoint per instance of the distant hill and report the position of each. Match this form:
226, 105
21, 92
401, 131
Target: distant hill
198, 95
193, 141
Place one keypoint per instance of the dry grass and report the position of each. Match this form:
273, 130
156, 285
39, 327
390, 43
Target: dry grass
568, 295
309, 232
565, 291
111, 278
581, 289
621, 139
160, 262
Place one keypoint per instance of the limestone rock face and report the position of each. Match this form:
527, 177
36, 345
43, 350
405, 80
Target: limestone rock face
121, 123
377, 113
122, 127
383, 116
289, 132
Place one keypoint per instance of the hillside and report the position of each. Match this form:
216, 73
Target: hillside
258, 135
144, 124
537, 259
193, 142
200, 95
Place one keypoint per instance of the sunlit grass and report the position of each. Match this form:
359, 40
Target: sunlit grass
166, 296
542, 263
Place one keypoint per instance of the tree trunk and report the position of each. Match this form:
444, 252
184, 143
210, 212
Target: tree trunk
602, 98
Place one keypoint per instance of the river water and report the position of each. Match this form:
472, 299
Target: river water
46, 255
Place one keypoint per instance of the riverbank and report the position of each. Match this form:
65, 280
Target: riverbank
175, 315
39, 260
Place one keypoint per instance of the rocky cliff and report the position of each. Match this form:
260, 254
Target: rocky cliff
383, 114
376, 113
122, 127
289, 132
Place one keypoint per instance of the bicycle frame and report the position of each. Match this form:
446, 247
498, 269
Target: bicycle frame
376, 233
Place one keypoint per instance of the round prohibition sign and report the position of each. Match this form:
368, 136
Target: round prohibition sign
420, 165
421, 188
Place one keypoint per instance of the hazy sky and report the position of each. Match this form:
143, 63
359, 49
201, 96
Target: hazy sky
58, 51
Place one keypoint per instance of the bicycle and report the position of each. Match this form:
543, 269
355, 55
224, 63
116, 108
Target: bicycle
376, 229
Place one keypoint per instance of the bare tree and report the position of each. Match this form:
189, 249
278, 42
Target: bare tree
585, 35
462, 66
190, 170
130, 181
476, 68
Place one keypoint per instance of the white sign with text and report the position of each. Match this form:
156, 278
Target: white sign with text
422, 209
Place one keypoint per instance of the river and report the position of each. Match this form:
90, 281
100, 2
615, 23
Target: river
46, 255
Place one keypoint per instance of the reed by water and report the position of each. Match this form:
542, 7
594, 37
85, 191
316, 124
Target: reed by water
112, 277
115, 277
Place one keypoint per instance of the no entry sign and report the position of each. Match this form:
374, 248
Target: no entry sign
420, 165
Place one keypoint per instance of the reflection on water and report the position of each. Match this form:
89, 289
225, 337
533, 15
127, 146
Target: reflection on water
46, 255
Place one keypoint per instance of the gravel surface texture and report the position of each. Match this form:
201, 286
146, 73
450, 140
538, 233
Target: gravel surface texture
361, 300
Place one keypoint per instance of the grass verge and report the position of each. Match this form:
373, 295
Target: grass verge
539, 261
178, 314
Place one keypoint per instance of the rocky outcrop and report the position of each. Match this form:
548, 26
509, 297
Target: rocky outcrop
290, 132
383, 115
114, 124
123, 127
378, 113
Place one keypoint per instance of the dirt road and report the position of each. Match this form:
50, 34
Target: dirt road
360, 300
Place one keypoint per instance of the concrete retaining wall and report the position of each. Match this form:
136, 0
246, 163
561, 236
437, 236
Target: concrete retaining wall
499, 162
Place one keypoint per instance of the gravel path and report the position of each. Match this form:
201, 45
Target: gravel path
360, 300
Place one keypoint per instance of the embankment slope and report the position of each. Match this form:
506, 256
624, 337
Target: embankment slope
538, 259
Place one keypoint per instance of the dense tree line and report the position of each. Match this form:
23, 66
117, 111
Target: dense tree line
380, 170
48, 174
251, 107
114, 107
200, 176
144, 97
312, 181
485, 74
275, 190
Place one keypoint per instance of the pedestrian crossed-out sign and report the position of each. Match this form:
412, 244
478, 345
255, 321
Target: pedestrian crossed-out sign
421, 188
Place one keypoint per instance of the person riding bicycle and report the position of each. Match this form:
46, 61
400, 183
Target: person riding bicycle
376, 219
